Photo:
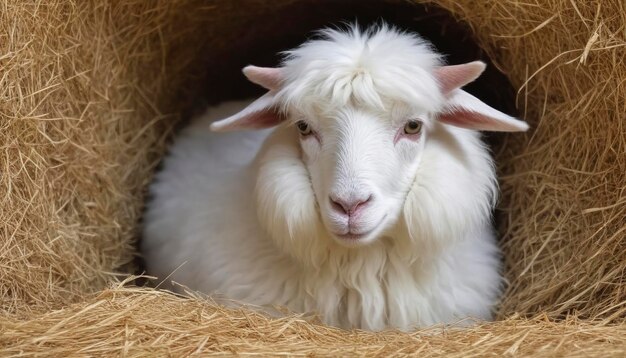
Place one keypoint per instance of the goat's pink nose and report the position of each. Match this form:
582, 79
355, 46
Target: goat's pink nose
349, 206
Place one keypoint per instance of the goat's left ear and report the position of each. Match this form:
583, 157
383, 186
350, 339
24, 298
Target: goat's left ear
466, 111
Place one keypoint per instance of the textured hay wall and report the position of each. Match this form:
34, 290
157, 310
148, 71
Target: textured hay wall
565, 184
89, 92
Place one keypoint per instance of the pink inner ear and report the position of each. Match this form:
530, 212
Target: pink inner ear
262, 113
256, 120
476, 121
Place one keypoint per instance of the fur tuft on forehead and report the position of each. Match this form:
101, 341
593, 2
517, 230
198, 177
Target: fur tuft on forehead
371, 68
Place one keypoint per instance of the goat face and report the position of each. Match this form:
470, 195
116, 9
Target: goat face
362, 161
363, 104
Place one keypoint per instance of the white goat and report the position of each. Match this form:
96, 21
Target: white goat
369, 202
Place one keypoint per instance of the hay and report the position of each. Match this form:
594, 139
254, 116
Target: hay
127, 322
89, 93
564, 188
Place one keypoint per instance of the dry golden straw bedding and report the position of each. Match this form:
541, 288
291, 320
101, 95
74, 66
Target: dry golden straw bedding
134, 322
90, 92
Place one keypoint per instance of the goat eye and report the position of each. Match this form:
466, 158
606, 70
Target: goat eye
304, 128
413, 127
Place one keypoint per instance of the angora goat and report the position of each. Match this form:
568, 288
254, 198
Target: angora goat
368, 201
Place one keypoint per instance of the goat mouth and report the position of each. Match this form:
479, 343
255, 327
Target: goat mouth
353, 237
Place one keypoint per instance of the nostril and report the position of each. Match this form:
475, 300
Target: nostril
361, 204
337, 205
349, 207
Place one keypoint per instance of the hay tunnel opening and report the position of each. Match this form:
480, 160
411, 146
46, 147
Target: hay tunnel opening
220, 52
259, 39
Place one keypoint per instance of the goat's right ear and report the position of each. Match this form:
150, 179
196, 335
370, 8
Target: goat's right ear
260, 114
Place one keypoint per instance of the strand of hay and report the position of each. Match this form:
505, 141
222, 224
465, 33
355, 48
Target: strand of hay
134, 322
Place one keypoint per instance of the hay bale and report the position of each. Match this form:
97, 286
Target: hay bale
91, 90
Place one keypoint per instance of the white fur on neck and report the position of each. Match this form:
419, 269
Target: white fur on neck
409, 277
